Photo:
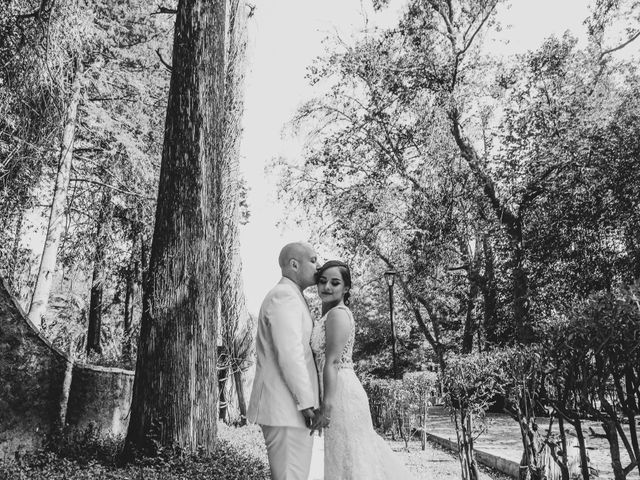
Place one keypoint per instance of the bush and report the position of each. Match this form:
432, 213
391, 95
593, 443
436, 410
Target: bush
240, 454
471, 383
383, 402
400, 406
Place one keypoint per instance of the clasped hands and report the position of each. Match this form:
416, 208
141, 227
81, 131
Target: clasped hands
317, 419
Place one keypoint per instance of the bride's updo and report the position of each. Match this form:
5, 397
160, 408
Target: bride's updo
345, 272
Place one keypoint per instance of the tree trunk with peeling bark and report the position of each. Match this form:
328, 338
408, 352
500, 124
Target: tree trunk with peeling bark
234, 314
57, 216
175, 390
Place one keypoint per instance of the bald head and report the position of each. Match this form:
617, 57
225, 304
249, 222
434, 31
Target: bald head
298, 262
292, 251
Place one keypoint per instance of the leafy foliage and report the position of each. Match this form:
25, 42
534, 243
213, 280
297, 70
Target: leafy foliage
504, 191
400, 406
239, 455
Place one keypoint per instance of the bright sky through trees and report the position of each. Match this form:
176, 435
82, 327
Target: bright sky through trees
285, 36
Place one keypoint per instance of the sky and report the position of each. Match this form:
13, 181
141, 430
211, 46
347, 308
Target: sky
285, 36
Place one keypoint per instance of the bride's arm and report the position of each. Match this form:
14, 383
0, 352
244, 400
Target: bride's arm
337, 330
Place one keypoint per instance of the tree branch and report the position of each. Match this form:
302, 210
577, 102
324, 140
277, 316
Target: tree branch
534, 188
44, 8
505, 215
126, 192
621, 46
167, 66
167, 10
412, 302
484, 20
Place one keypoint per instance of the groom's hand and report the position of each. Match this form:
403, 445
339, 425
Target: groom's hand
318, 423
309, 415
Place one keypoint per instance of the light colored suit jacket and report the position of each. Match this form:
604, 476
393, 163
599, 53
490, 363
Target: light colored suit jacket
286, 379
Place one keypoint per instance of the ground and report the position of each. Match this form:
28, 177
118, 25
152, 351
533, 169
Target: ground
502, 438
435, 463
432, 463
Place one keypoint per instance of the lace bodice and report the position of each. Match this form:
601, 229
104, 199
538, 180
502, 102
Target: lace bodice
318, 342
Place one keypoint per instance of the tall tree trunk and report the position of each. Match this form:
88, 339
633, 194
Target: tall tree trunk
15, 250
132, 274
48, 260
466, 453
223, 401
128, 314
234, 314
469, 324
631, 408
94, 331
144, 269
175, 390
614, 449
66, 387
489, 293
474, 279
584, 460
563, 461
520, 286
242, 402
512, 224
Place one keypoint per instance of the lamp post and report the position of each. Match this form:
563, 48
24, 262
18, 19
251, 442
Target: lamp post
390, 276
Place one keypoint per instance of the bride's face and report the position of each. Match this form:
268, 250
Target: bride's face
331, 287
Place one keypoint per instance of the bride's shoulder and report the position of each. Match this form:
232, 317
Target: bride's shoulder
339, 314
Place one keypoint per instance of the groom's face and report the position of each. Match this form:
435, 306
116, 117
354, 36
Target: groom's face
308, 264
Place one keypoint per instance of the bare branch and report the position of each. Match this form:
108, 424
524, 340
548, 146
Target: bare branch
108, 99
506, 217
412, 302
116, 189
621, 46
162, 60
473, 35
161, 10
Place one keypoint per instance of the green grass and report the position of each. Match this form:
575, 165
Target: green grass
239, 455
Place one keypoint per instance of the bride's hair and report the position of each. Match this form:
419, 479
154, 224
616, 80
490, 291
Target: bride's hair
345, 272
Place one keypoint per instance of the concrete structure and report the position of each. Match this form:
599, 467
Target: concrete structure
39, 386
501, 464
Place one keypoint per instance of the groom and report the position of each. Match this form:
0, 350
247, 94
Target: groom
285, 388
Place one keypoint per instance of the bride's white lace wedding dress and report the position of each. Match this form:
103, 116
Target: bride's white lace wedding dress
352, 449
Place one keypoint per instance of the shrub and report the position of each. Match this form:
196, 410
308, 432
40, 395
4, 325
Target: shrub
471, 383
400, 406
239, 455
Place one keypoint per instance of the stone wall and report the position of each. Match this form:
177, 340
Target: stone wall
101, 397
32, 374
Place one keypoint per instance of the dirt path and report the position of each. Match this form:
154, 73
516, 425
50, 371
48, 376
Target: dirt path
435, 463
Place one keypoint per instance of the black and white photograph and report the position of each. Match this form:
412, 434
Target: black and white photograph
320, 240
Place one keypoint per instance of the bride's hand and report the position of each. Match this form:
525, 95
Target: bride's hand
320, 421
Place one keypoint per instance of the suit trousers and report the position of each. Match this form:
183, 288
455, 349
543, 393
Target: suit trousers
289, 450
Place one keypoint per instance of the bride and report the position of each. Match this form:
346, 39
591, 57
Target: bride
353, 450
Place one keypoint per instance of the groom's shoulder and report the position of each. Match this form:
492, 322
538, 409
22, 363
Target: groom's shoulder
281, 295
280, 290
